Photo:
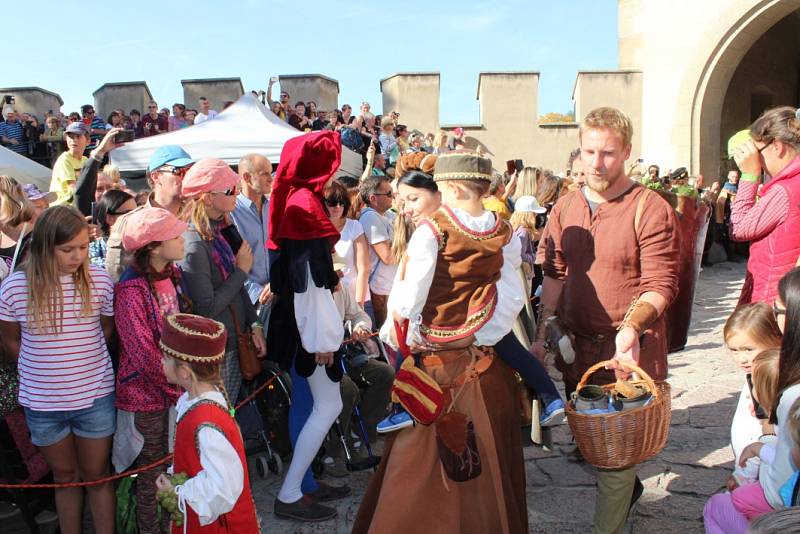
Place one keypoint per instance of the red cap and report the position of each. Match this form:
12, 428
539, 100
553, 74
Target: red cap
194, 339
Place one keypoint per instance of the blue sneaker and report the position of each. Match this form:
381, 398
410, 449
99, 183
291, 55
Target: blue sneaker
553, 413
397, 420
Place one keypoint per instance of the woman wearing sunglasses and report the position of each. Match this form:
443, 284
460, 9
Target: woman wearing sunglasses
772, 224
214, 273
352, 245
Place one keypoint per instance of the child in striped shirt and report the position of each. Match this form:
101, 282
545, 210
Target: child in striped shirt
55, 317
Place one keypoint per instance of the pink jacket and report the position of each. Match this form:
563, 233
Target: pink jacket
141, 384
772, 255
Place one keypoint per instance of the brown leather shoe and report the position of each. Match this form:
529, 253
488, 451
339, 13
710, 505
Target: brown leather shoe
306, 509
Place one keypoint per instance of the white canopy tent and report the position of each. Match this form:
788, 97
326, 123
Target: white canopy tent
24, 170
245, 127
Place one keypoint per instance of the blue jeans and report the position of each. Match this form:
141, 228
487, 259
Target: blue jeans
97, 421
529, 368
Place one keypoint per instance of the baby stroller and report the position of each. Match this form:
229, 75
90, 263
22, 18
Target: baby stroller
264, 422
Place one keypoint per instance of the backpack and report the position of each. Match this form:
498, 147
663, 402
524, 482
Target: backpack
352, 139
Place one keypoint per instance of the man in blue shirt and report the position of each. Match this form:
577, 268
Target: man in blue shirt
11, 133
95, 124
250, 217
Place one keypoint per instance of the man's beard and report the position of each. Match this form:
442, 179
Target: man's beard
599, 184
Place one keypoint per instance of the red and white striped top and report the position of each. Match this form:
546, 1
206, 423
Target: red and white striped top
65, 371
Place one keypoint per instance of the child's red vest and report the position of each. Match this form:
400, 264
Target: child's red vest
242, 519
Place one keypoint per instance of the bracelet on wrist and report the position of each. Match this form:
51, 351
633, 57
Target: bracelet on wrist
747, 177
257, 324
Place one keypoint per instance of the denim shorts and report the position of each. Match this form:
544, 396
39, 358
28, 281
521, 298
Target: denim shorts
97, 421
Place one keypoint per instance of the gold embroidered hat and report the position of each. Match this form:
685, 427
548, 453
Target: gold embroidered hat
192, 338
462, 165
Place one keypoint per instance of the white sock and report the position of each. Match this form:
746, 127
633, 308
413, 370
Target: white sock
327, 407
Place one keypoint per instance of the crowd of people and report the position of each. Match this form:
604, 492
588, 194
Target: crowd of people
448, 275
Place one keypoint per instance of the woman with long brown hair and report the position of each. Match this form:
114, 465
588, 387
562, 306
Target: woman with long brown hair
55, 318
17, 217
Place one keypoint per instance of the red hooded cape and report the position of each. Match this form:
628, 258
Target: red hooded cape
295, 206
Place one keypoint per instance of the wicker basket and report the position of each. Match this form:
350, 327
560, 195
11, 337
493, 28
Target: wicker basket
622, 439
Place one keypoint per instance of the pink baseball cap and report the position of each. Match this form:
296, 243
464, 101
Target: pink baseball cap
207, 176
147, 224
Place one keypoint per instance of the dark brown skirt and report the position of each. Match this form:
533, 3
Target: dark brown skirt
410, 491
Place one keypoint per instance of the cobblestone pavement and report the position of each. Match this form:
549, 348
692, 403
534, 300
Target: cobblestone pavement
694, 465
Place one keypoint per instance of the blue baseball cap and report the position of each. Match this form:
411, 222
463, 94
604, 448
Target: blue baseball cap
76, 128
169, 155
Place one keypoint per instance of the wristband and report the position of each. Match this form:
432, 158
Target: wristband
747, 177
257, 324
639, 316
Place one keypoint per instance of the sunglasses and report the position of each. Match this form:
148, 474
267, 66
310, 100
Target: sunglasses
119, 212
390, 194
333, 202
778, 311
760, 150
178, 171
152, 107
228, 192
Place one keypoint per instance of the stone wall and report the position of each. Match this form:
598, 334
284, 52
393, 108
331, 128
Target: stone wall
415, 95
216, 90
304, 87
33, 100
124, 95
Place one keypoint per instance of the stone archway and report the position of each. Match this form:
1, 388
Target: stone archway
715, 77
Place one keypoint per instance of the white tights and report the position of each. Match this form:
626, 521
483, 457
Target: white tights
327, 406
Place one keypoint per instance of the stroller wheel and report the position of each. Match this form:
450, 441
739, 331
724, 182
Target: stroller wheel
262, 466
275, 465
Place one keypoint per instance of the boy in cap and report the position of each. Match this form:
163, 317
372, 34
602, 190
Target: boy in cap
68, 165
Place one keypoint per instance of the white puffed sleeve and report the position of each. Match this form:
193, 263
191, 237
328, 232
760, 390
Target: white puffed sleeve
510, 298
216, 488
318, 319
408, 296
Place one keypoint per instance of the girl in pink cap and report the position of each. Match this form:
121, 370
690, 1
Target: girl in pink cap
148, 290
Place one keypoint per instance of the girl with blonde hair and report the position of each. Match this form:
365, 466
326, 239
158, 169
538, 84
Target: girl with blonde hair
17, 217
528, 182
56, 316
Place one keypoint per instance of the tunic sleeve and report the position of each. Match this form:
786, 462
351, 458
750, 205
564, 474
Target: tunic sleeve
554, 265
658, 246
510, 295
216, 488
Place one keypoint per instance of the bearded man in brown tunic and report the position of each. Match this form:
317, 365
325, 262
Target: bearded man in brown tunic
611, 248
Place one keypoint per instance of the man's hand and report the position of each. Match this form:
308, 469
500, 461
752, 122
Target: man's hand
538, 350
94, 230
13, 141
258, 340
324, 358
266, 295
731, 484
163, 483
627, 349
107, 144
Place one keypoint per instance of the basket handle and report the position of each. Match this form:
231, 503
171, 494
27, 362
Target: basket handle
627, 364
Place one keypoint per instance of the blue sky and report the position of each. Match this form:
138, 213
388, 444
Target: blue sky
355, 42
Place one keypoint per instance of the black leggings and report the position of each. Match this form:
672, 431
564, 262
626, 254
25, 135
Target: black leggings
529, 368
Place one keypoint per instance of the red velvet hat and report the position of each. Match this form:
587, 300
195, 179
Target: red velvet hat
194, 339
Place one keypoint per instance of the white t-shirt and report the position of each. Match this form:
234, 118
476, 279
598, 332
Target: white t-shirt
377, 229
202, 117
67, 370
345, 248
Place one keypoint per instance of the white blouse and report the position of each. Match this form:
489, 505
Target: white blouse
408, 296
346, 248
216, 488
